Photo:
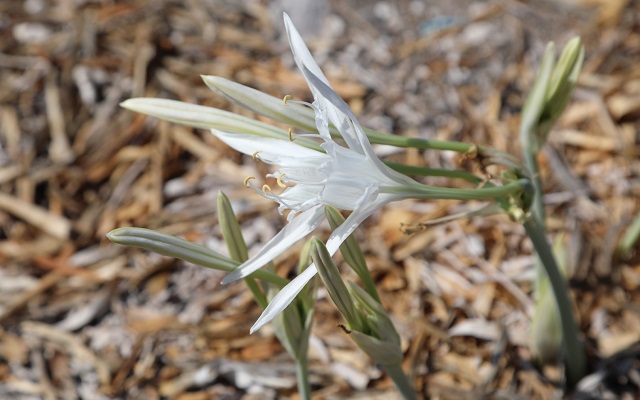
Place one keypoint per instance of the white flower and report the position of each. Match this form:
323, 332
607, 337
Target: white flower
349, 178
310, 175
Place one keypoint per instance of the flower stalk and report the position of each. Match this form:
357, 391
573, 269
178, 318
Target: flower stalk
548, 97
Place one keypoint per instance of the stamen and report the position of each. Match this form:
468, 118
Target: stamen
279, 181
289, 99
255, 155
291, 138
265, 189
247, 179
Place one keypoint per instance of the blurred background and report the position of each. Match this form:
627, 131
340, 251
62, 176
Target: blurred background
86, 319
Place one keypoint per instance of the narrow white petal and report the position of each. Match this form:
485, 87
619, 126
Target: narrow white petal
260, 103
301, 194
347, 124
271, 150
329, 102
341, 116
208, 118
301, 52
295, 230
194, 115
284, 297
352, 222
313, 74
289, 292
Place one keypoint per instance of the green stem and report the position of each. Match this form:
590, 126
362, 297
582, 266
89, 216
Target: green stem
434, 192
306, 122
576, 362
376, 137
401, 380
302, 377
537, 206
426, 171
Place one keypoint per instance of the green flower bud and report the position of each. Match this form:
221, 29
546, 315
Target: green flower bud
382, 352
332, 280
231, 230
376, 319
550, 93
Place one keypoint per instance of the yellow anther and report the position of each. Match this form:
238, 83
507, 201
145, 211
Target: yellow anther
247, 179
265, 189
291, 138
285, 98
279, 181
255, 154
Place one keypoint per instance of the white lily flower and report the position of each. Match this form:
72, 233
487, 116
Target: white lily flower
349, 178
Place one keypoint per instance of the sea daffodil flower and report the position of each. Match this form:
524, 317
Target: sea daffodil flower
348, 177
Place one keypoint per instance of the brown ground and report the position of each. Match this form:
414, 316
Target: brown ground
83, 318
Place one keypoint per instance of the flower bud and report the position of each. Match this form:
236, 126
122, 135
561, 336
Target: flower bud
550, 93
332, 280
231, 230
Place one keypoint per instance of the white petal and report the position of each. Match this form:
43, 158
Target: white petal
354, 220
352, 165
295, 230
261, 103
313, 74
301, 52
199, 116
272, 151
301, 194
337, 111
289, 292
341, 116
284, 297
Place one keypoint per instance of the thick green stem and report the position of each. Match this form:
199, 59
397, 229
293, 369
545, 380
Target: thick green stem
434, 192
302, 377
426, 171
537, 206
401, 380
576, 363
376, 137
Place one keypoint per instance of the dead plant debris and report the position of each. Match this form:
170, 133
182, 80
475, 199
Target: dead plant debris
85, 319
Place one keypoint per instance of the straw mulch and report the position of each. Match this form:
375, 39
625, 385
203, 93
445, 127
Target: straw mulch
85, 319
